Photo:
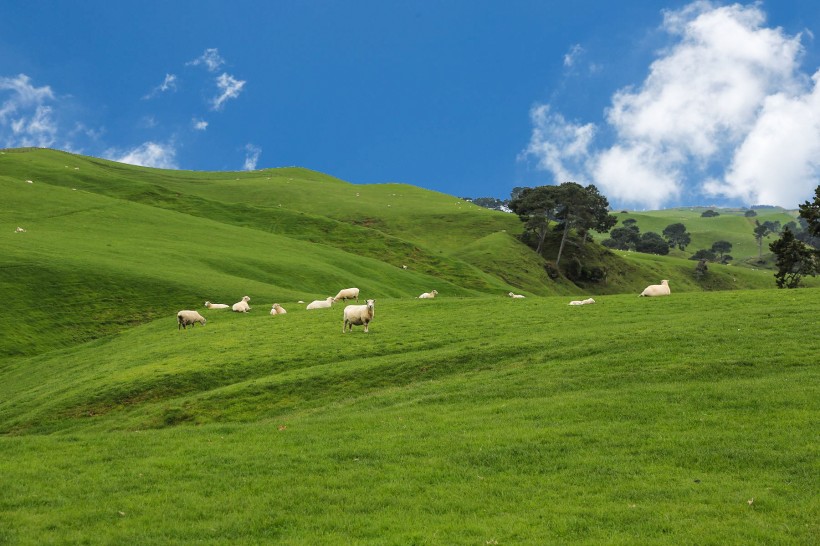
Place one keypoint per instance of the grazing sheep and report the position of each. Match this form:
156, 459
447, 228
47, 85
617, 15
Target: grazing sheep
582, 302
210, 305
320, 304
514, 296
242, 306
347, 294
428, 295
186, 318
661, 289
277, 310
358, 315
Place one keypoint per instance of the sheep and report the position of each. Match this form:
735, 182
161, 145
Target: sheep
210, 305
515, 296
428, 295
277, 310
186, 317
358, 315
242, 306
661, 289
347, 294
582, 302
321, 304
20, 230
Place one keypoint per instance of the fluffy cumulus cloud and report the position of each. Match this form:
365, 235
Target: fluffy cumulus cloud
252, 153
27, 116
725, 111
148, 154
199, 124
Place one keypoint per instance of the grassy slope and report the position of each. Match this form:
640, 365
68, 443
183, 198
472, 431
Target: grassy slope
634, 420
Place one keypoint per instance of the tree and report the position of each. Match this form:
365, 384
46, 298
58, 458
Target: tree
794, 260
810, 212
652, 243
709, 214
536, 207
750, 213
703, 254
701, 269
761, 231
583, 208
623, 238
722, 249
677, 236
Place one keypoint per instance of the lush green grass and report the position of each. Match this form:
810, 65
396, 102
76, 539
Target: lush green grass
633, 420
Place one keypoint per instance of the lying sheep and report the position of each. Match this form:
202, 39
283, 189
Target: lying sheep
358, 315
242, 306
661, 289
428, 295
582, 302
512, 295
320, 304
20, 230
277, 310
210, 305
189, 318
347, 294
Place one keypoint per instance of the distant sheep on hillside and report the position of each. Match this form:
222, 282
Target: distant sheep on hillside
582, 302
515, 296
428, 295
347, 294
189, 318
210, 305
277, 310
661, 289
321, 304
242, 306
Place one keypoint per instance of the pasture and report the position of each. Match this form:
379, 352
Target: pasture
687, 419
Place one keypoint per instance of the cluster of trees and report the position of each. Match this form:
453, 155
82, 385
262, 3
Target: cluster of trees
629, 237
719, 252
796, 258
560, 209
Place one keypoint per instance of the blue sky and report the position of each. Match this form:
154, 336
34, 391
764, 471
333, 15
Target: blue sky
657, 103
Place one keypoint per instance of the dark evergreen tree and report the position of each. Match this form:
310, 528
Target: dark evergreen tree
677, 236
794, 260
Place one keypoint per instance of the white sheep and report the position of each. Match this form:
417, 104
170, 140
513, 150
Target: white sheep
661, 289
277, 310
20, 230
428, 295
242, 306
515, 296
582, 302
347, 294
321, 304
358, 315
189, 318
210, 305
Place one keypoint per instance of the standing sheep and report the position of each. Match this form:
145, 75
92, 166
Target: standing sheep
189, 318
347, 294
242, 306
321, 304
358, 315
277, 310
210, 305
661, 289
428, 295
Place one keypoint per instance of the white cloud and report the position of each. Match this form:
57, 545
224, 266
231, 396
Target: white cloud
26, 115
719, 100
210, 58
572, 55
147, 154
230, 88
168, 84
199, 124
252, 154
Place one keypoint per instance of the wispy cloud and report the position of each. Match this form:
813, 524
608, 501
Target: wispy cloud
147, 154
572, 55
229, 88
168, 84
26, 113
199, 124
725, 103
252, 153
210, 59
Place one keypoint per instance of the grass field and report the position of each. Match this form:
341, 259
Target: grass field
468, 419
